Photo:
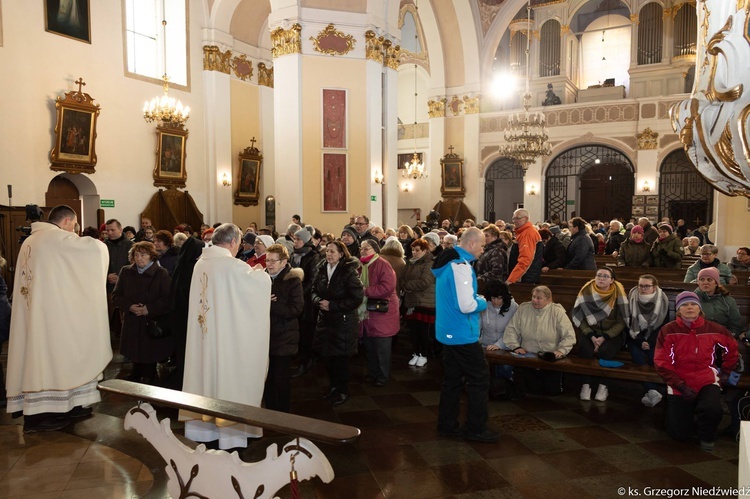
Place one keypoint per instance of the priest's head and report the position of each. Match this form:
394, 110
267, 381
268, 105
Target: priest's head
227, 236
64, 217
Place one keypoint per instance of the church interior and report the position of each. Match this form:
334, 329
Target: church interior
330, 108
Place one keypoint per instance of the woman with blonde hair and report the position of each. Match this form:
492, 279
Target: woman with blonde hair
406, 237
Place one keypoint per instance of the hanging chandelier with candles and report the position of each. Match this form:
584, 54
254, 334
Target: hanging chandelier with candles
414, 169
526, 134
165, 109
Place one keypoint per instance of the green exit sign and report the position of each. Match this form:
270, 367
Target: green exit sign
107, 203
570, 202
373, 198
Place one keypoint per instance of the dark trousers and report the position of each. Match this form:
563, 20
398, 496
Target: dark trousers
464, 365
338, 372
539, 381
607, 351
701, 416
306, 335
643, 357
277, 392
420, 337
378, 353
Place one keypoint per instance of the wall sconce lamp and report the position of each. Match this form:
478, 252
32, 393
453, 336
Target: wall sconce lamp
225, 180
646, 187
532, 190
406, 186
378, 178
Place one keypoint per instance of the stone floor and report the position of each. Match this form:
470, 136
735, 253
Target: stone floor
550, 447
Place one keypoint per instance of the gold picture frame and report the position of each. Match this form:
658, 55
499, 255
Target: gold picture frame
170, 157
248, 176
74, 150
452, 170
68, 19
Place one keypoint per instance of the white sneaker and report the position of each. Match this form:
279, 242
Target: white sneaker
651, 398
421, 361
585, 392
601, 393
414, 359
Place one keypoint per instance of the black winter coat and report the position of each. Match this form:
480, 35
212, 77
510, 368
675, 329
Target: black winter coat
285, 311
337, 329
151, 289
309, 264
4, 313
581, 253
554, 256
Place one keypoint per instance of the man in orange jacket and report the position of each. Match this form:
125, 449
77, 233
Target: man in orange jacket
525, 259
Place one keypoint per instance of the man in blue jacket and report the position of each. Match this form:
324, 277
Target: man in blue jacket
457, 327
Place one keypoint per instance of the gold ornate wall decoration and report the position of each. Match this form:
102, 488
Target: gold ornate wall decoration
667, 13
265, 75
436, 108
392, 52
634, 18
216, 60
331, 41
456, 105
471, 105
286, 41
647, 139
565, 29
374, 46
243, 69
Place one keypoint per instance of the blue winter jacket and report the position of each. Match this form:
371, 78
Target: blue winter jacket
456, 301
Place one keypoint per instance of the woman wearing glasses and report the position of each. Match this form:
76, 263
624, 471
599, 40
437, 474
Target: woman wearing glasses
648, 313
601, 313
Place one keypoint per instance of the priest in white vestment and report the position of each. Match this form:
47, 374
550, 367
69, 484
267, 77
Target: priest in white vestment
59, 333
227, 338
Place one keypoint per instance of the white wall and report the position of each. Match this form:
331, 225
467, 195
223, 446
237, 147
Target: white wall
36, 67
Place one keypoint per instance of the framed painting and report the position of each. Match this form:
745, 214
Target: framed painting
406, 158
248, 176
75, 133
639, 199
334, 182
69, 18
334, 118
638, 210
652, 210
452, 169
652, 200
170, 157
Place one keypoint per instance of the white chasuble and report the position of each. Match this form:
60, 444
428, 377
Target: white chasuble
59, 331
227, 337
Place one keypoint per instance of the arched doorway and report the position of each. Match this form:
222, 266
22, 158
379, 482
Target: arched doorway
62, 191
596, 182
78, 192
683, 192
503, 189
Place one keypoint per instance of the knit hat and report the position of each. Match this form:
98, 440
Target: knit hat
711, 272
432, 237
286, 243
636, 230
249, 238
303, 234
555, 229
266, 240
686, 297
667, 227
351, 231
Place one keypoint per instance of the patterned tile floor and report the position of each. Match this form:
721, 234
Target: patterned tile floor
549, 447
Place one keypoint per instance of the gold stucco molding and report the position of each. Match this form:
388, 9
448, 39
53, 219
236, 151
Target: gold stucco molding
471, 104
242, 67
286, 41
634, 19
216, 60
391, 54
374, 46
456, 105
436, 108
332, 42
647, 140
265, 75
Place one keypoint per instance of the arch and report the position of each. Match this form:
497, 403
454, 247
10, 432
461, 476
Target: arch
590, 139
563, 177
683, 192
503, 187
87, 194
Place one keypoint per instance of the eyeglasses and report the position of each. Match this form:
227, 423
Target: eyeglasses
603, 276
707, 254
268, 260
365, 248
518, 218
645, 286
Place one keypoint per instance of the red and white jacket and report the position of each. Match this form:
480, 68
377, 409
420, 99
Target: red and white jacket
687, 354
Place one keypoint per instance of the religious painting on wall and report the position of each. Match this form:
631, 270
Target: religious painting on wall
334, 182
248, 181
453, 176
75, 133
70, 18
170, 157
406, 158
334, 118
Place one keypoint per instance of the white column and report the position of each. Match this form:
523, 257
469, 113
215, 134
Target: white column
267, 148
218, 146
472, 165
534, 204
390, 191
435, 154
287, 97
647, 172
374, 143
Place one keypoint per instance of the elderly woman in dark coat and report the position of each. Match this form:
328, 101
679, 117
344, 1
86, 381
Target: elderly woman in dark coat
581, 248
554, 255
287, 303
337, 292
142, 293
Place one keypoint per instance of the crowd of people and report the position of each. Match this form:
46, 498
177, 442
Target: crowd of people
207, 301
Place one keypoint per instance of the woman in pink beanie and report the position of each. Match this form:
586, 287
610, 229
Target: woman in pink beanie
717, 305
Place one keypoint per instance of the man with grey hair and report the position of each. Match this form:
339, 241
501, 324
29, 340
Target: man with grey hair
227, 337
614, 238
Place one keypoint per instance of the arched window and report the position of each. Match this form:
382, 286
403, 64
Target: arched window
650, 28
549, 49
683, 192
503, 188
144, 39
518, 52
685, 30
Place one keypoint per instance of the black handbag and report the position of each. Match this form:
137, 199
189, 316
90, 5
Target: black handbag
157, 328
377, 305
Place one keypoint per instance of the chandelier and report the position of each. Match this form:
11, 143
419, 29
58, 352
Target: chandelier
168, 110
414, 169
526, 134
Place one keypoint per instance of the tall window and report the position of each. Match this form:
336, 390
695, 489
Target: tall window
605, 51
650, 27
145, 39
549, 49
